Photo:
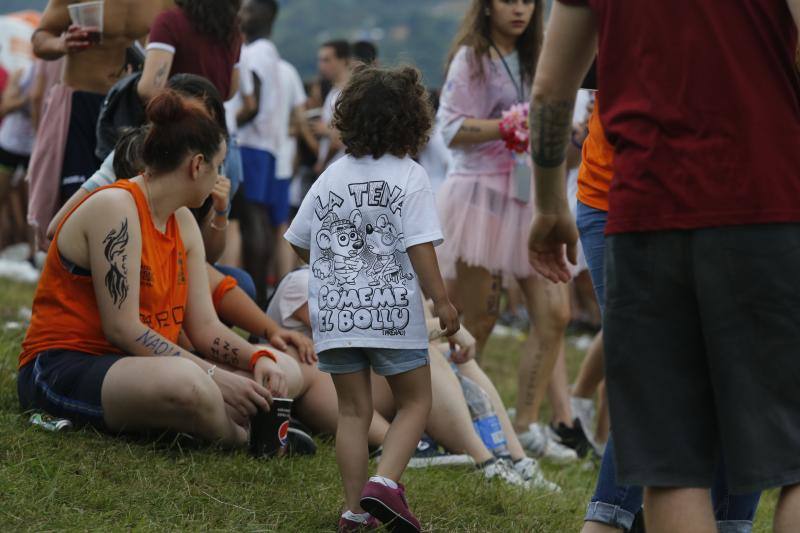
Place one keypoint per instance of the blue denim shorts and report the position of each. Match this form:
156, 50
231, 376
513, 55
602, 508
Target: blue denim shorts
384, 361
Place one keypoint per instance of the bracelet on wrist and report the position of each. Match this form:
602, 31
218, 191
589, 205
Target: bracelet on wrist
258, 355
223, 213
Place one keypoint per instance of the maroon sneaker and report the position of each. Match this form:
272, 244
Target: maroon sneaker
351, 526
390, 507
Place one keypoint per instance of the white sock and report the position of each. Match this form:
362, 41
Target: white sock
384, 481
350, 515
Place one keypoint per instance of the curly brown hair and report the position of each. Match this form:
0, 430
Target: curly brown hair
384, 111
218, 19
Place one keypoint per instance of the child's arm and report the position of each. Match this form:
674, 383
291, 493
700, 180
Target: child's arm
423, 259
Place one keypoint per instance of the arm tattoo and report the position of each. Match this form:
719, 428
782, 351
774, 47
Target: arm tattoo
551, 123
221, 350
157, 345
161, 76
471, 129
116, 243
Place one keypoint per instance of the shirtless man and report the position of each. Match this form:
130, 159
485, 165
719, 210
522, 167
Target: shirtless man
66, 147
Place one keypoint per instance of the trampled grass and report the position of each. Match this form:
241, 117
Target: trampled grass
86, 481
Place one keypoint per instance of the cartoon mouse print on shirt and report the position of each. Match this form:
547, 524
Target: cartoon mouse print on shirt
385, 241
363, 262
342, 243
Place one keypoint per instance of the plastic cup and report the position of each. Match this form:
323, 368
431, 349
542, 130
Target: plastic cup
88, 15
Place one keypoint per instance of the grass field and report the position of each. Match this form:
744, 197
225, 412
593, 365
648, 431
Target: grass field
85, 481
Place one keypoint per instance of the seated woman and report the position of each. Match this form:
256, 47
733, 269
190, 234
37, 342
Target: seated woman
125, 273
449, 423
212, 222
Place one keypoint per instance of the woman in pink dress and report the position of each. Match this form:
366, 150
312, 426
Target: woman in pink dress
484, 203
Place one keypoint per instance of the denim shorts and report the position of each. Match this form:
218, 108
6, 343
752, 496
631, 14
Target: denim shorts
384, 361
66, 384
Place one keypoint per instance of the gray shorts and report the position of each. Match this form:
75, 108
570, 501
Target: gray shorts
384, 361
702, 340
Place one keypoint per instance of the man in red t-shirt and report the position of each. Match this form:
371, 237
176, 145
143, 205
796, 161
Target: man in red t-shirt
701, 102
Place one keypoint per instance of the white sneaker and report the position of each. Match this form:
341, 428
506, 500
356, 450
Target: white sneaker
537, 442
583, 409
528, 469
502, 470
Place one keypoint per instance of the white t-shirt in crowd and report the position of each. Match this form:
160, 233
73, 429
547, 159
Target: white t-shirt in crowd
293, 95
263, 132
358, 220
16, 130
233, 105
291, 295
103, 176
328, 107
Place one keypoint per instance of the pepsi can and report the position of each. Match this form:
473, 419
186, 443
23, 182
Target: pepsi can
269, 430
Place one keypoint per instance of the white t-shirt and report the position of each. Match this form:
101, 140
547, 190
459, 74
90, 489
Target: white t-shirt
263, 132
293, 95
291, 295
328, 107
357, 220
103, 176
16, 130
233, 105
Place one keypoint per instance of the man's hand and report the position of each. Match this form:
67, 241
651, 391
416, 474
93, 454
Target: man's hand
220, 194
549, 235
448, 317
269, 374
283, 338
76, 39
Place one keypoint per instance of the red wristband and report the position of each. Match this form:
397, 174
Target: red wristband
258, 355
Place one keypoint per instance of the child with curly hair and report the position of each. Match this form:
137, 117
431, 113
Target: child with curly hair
368, 228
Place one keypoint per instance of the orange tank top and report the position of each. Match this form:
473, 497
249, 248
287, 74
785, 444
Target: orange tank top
597, 167
65, 313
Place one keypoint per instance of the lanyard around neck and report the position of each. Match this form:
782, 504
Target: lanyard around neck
517, 87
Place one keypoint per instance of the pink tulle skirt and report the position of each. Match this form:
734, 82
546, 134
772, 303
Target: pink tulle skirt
483, 226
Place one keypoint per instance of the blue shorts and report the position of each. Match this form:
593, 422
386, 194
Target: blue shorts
384, 361
261, 185
66, 384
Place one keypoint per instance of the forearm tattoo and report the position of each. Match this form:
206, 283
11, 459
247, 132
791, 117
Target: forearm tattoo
161, 76
550, 125
156, 345
116, 244
221, 350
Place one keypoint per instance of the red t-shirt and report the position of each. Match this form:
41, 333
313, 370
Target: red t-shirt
194, 52
701, 101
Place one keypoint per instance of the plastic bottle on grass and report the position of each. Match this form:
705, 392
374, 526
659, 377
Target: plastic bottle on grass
484, 417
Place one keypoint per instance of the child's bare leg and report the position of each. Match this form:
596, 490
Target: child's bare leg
318, 408
355, 415
412, 395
